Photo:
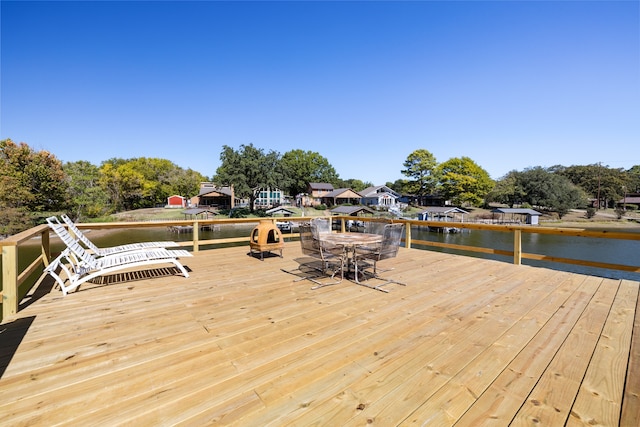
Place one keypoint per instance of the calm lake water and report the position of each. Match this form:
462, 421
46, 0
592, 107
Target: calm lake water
604, 250
625, 252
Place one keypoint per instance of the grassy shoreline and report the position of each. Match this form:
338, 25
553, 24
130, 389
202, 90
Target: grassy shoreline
574, 219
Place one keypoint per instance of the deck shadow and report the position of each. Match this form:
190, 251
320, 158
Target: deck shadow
11, 335
44, 287
137, 275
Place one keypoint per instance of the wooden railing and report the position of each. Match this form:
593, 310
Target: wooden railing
16, 286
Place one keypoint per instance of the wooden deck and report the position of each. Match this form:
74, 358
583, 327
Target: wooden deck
468, 342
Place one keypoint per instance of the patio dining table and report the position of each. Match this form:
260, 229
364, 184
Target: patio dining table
350, 241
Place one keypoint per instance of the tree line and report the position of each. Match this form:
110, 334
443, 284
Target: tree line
36, 184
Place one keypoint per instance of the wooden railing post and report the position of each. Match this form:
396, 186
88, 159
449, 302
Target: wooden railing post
46, 247
196, 237
407, 237
517, 247
9, 281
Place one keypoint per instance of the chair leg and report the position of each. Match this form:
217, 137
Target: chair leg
374, 275
322, 270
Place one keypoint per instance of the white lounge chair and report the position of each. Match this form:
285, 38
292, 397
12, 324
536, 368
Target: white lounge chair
80, 266
88, 244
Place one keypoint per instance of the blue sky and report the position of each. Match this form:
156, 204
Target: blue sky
510, 84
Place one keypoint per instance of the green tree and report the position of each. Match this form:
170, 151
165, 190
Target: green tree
88, 198
634, 179
464, 182
354, 184
146, 182
550, 191
249, 170
507, 190
124, 185
14, 197
599, 182
185, 182
303, 167
399, 185
420, 167
32, 184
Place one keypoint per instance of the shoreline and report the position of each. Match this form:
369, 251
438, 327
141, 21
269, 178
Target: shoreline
628, 224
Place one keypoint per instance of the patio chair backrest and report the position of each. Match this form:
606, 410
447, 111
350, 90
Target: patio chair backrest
322, 225
309, 245
391, 240
376, 227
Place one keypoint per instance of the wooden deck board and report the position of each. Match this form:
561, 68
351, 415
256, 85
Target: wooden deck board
598, 401
468, 341
631, 402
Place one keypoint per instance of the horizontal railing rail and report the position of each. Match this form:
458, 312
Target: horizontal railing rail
15, 285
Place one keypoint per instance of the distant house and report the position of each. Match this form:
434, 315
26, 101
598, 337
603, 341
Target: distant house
215, 197
517, 215
381, 196
630, 201
341, 196
176, 201
442, 213
268, 198
315, 192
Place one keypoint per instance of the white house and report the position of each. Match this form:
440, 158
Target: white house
381, 196
268, 198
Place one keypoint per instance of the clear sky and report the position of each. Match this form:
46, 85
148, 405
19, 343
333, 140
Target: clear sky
510, 84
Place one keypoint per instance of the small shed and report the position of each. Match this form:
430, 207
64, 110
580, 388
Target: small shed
199, 213
176, 201
442, 213
352, 210
280, 210
517, 214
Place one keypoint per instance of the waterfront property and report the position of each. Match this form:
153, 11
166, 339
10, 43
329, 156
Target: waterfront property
468, 342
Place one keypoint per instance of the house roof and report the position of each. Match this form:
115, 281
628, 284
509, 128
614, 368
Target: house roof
521, 211
630, 200
198, 211
320, 186
373, 191
279, 209
444, 210
351, 210
340, 191
223, 191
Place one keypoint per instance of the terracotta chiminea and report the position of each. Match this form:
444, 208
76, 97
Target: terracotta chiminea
266, 237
